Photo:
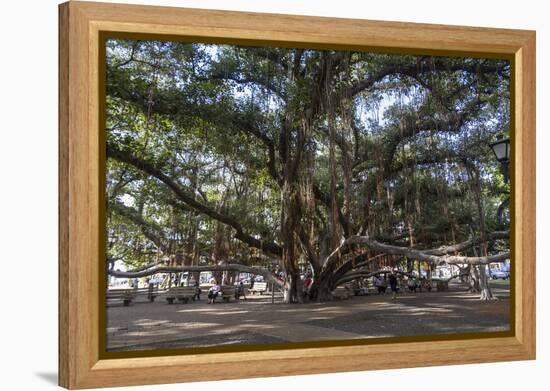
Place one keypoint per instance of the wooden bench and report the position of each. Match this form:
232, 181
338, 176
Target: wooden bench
441, 285
228, 291
364, 289
182, 294
426, 285
343, 292
126, 295
259, 287
151, 292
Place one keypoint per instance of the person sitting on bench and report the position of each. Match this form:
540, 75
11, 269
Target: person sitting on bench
380, 284
213, 292
240, 291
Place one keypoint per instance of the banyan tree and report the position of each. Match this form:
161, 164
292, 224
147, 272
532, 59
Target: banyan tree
234, 158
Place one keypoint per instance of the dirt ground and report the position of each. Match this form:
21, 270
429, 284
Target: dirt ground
145, 326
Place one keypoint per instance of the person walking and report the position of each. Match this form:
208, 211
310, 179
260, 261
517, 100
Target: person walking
393, 285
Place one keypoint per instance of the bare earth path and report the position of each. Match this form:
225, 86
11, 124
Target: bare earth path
147, 325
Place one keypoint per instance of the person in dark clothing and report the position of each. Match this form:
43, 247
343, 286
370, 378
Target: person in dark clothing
393, 285
412, 284
198, 291
240, 291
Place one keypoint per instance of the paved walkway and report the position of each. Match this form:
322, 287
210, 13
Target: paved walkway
147, 325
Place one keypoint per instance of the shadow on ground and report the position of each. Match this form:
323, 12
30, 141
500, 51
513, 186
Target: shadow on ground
147, 326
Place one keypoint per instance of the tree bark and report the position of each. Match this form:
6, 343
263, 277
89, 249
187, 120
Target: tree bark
486, 292
485, 288
421, 255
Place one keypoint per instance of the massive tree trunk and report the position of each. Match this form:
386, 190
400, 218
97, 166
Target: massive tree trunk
485, 288
486, 292
339, 220
473, 279
321, 289
290, 215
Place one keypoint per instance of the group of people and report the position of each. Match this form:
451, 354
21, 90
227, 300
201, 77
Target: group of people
215, 290
381, 284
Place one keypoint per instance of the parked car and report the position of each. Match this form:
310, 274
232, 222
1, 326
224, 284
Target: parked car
502, 274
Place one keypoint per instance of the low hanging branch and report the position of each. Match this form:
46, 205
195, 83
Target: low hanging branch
232, 267
139, 269
421, 255
445, 250
355, 263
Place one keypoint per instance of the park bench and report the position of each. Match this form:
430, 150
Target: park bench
151, 292
425, 285
259, 287
364, 289
342, 292
227, 292
442, 285
126, 295
182, 294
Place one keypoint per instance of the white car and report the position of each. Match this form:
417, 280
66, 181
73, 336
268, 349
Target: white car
502, 274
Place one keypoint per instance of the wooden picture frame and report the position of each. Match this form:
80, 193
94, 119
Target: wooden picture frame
80, 151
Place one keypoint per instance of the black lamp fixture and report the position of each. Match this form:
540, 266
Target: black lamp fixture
501, 149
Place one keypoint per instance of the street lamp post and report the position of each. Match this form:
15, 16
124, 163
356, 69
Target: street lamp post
501, 149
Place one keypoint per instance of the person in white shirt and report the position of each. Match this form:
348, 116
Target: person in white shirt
213, 292
380, 284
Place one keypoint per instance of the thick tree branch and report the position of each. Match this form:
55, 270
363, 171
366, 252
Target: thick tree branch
421, 255
413, 70
362, 260
150, 230
248, 80
233, 267
188, 199
459, 247
325, 199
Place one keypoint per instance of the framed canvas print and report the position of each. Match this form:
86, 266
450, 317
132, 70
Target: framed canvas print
246, 195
